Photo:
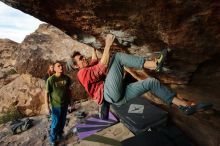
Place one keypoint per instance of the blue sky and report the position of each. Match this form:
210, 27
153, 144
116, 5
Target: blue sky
14, 24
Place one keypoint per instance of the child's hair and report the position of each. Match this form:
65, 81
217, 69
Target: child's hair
57, 62
49, 72
61, 63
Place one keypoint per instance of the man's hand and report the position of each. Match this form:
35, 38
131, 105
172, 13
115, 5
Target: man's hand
109, 40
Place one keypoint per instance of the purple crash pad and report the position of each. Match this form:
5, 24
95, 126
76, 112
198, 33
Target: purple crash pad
93, 125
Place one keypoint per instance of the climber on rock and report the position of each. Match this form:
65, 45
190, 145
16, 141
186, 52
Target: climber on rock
103, 80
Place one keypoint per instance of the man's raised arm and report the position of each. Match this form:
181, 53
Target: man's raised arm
94, 54
106, 54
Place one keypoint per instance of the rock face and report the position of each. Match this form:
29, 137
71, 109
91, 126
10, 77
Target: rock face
8, 51
190, 28
8, 56
26, 93
47, 44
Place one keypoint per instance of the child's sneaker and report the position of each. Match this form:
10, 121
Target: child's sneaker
60, 137
53, 144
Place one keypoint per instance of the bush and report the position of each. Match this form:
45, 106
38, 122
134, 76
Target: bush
11, 115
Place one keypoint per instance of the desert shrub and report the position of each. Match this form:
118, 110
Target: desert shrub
11, 115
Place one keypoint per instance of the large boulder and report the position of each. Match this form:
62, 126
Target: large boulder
26, 93
8, 50
46, 45
8, 56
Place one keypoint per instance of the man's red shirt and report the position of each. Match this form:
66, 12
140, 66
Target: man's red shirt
92, 78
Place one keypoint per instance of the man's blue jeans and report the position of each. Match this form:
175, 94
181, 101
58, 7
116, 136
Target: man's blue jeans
58, 121
114, 90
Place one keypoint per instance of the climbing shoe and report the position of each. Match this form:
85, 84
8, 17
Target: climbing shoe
203, 106
161, 60
188, 110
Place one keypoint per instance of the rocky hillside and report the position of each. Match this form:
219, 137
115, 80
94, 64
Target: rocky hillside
47, 44
23, 65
